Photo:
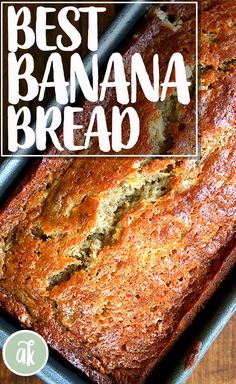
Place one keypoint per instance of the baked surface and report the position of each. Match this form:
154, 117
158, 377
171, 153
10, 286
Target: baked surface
110, 259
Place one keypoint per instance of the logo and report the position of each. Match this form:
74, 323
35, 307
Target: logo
25, 353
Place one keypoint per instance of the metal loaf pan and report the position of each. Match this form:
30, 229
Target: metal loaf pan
210, 321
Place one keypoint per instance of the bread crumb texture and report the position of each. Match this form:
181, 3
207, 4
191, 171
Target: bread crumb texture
110, 259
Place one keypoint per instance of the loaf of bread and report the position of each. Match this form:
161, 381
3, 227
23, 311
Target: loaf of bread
110, 259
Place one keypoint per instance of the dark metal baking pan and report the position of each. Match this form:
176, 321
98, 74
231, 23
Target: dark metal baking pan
205, 328
207, 324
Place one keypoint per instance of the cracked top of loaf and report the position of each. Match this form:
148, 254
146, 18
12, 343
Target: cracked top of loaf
110, 259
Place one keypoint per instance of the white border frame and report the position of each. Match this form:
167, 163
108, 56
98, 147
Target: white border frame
103, 2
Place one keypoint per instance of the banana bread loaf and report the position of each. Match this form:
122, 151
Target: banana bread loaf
110, 259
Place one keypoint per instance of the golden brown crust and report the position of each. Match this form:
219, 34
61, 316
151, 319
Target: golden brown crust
115, 314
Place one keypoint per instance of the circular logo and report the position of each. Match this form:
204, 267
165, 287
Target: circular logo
25, 353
